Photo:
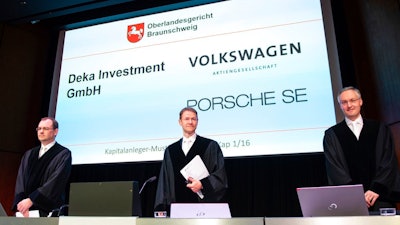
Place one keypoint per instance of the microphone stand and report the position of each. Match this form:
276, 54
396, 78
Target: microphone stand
151, 179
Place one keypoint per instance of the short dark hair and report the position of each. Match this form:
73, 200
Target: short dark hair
187, 109
55, 123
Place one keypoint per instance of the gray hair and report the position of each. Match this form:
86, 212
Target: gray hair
347, 89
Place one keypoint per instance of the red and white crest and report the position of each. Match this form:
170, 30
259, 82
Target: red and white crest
135, 32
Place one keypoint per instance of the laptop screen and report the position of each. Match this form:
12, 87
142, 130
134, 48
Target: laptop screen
344, 200
117, 198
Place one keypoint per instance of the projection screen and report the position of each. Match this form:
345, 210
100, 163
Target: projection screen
258, 72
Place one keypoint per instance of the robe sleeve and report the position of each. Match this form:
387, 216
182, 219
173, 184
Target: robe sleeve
215, 185
335, 162
386, 162
19, 184
48, 195
165, 188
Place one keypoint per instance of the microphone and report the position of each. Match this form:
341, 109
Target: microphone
151, 179
58, 212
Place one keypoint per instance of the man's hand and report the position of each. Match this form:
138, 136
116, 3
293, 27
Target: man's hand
194, 185
24, 206
370, 198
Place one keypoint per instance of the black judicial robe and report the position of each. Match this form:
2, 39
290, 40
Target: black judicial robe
43, 179
172, 185
370, 161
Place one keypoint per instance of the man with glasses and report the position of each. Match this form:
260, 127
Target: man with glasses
361, 151
43, 173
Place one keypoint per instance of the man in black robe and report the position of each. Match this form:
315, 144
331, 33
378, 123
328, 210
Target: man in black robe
361, 151
43, 173
172, 186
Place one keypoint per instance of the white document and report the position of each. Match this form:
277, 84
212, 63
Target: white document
195, 169
32, 213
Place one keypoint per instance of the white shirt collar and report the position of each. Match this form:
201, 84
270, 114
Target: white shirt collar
359, 120
45, 148
191, 138
48, 146
187, 143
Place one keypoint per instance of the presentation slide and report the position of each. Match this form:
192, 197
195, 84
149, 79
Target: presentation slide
257, 72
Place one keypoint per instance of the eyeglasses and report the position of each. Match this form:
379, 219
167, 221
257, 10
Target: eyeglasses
190, 119
43, 128
351, 101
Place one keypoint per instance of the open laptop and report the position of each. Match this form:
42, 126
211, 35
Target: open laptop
344, 200
200, 210
112, 198
2, 211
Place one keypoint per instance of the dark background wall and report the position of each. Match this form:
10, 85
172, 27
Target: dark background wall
368, 35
